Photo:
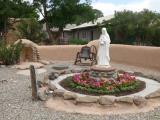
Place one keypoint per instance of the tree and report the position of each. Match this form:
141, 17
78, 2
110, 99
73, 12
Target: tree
122, 26
43, 6
98, 13
86, 17
14, 9
59, 13
32, 30
128, 27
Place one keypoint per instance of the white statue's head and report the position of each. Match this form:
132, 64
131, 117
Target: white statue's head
104, 31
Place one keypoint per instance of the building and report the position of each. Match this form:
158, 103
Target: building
86, 31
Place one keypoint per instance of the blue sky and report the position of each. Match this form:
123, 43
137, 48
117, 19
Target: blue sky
109, 6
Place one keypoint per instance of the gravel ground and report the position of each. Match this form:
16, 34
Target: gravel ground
16, 103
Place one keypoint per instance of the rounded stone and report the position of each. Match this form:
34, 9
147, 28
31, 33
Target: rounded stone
86, 99
139, 101
58, 92
60, 67
42, 94
107, 100
52, 86
53, 76
128, 100
69, 96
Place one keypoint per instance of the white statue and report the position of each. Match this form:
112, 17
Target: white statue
103, 57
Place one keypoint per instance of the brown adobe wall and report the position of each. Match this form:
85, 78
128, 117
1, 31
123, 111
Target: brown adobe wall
59, 52
142, 56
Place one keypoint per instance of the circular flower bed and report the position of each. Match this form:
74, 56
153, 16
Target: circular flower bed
124, 84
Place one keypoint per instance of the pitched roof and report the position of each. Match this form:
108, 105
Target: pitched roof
100, 20
94, 23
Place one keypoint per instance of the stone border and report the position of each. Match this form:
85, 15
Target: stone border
138, 99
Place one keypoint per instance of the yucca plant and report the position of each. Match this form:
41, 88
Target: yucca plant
10, 54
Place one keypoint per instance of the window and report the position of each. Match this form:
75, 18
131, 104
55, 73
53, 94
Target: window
84, 34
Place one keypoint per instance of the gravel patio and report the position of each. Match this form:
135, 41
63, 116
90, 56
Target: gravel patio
16, 103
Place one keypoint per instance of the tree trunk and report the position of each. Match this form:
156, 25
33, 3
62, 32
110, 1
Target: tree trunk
59, 35
46, 21
49, 32
4, 37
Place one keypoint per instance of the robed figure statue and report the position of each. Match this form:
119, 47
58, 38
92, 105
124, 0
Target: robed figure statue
103, 57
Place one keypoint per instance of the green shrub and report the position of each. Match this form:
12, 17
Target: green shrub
77, 42
156, 42
10, 54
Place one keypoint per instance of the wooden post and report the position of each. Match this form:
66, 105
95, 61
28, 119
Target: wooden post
33, 83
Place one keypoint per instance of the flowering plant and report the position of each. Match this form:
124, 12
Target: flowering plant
123, 82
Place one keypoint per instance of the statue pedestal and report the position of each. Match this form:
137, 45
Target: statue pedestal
103, 72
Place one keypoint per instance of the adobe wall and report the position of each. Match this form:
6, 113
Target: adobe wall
141, 56
59, 52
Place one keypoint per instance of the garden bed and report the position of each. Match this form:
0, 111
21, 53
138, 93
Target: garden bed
68, 84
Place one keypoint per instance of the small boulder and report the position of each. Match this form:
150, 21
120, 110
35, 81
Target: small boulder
53, 75
42, 93
138, 74
58, 92
60, 72
44, 62
2, 66
139, 101
69, 96
107, 100
87, 99
68, 72
52, 86
125, 100
60, 67
155, 94
77, 70
45, 80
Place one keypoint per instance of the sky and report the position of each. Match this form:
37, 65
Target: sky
109, 6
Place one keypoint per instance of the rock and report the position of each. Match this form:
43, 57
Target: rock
121, 71
45, 80
107, 100
60, 67
58, 92
42, 93
138, 74
77, 70
153, 94
52, 86
53, 75
150, 76
125, 100
60, 72
68, 72
69, 96
139, 101
87, 99
3, 80
2, 66
44, 62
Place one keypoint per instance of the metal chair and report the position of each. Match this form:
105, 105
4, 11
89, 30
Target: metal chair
87, 53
